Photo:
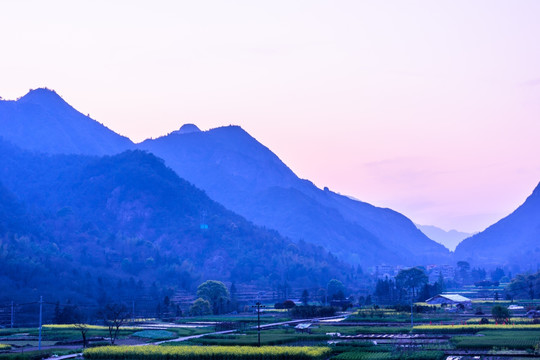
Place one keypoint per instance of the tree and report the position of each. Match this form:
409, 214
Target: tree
500, 313
412, 279
200, 307
83, 328
497, 274
288, 304
463, 270
441, 286
305, 297
114, 316
478, 274
322, 296
334, 287
216, 293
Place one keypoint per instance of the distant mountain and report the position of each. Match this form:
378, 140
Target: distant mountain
94, 222
514, 240
245, 176
41, 120
450, 238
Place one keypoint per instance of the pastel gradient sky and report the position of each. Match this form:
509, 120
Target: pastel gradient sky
431, 108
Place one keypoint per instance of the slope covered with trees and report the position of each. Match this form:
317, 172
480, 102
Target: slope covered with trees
94, 223
514, 240
244, 175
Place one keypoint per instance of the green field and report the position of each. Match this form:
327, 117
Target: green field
268, 337
514, 340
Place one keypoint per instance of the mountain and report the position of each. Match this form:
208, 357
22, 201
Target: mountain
449, 239
514, 240
42, 121
96, 222
245, 176
236, 170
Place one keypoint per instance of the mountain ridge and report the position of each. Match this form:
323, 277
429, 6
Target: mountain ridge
513, 240
45, 120
244, 175
232, 167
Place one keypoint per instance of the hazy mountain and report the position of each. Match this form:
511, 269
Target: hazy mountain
103, 220
237, 171
450, 238
514, 240
245, 176
41, 120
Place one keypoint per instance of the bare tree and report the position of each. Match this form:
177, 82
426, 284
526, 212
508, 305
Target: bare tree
114, 316
83, 328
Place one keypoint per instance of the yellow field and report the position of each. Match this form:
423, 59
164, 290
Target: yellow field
207, 352
91, 327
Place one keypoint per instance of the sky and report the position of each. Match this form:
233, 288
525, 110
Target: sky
431, 108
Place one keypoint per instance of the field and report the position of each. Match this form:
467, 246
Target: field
390, 337
269, 337
207, 352
514, 340
61, 335
473, 328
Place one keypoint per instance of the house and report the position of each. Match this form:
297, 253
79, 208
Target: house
303, 328
449, 299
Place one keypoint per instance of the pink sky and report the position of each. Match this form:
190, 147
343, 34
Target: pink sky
430, 108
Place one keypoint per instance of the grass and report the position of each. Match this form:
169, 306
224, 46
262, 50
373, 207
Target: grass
155, 334
265, 319
370, 355
268, 337
37, 355
355, 330
182, 332
393, 316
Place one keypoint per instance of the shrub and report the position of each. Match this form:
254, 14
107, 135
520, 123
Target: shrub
500, 313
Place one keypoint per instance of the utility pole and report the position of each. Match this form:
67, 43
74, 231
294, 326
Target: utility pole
40, 319
12, 314
412, 322
258, 305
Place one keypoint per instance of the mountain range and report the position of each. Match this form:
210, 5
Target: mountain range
236, 170
450, 239
77, 226
244, 176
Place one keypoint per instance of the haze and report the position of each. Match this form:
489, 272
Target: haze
430, 108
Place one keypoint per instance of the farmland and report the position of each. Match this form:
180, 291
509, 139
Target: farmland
436, 334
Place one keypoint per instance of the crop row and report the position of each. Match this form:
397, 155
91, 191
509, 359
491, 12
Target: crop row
512, 320
152, 352
472, 328
416, 355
